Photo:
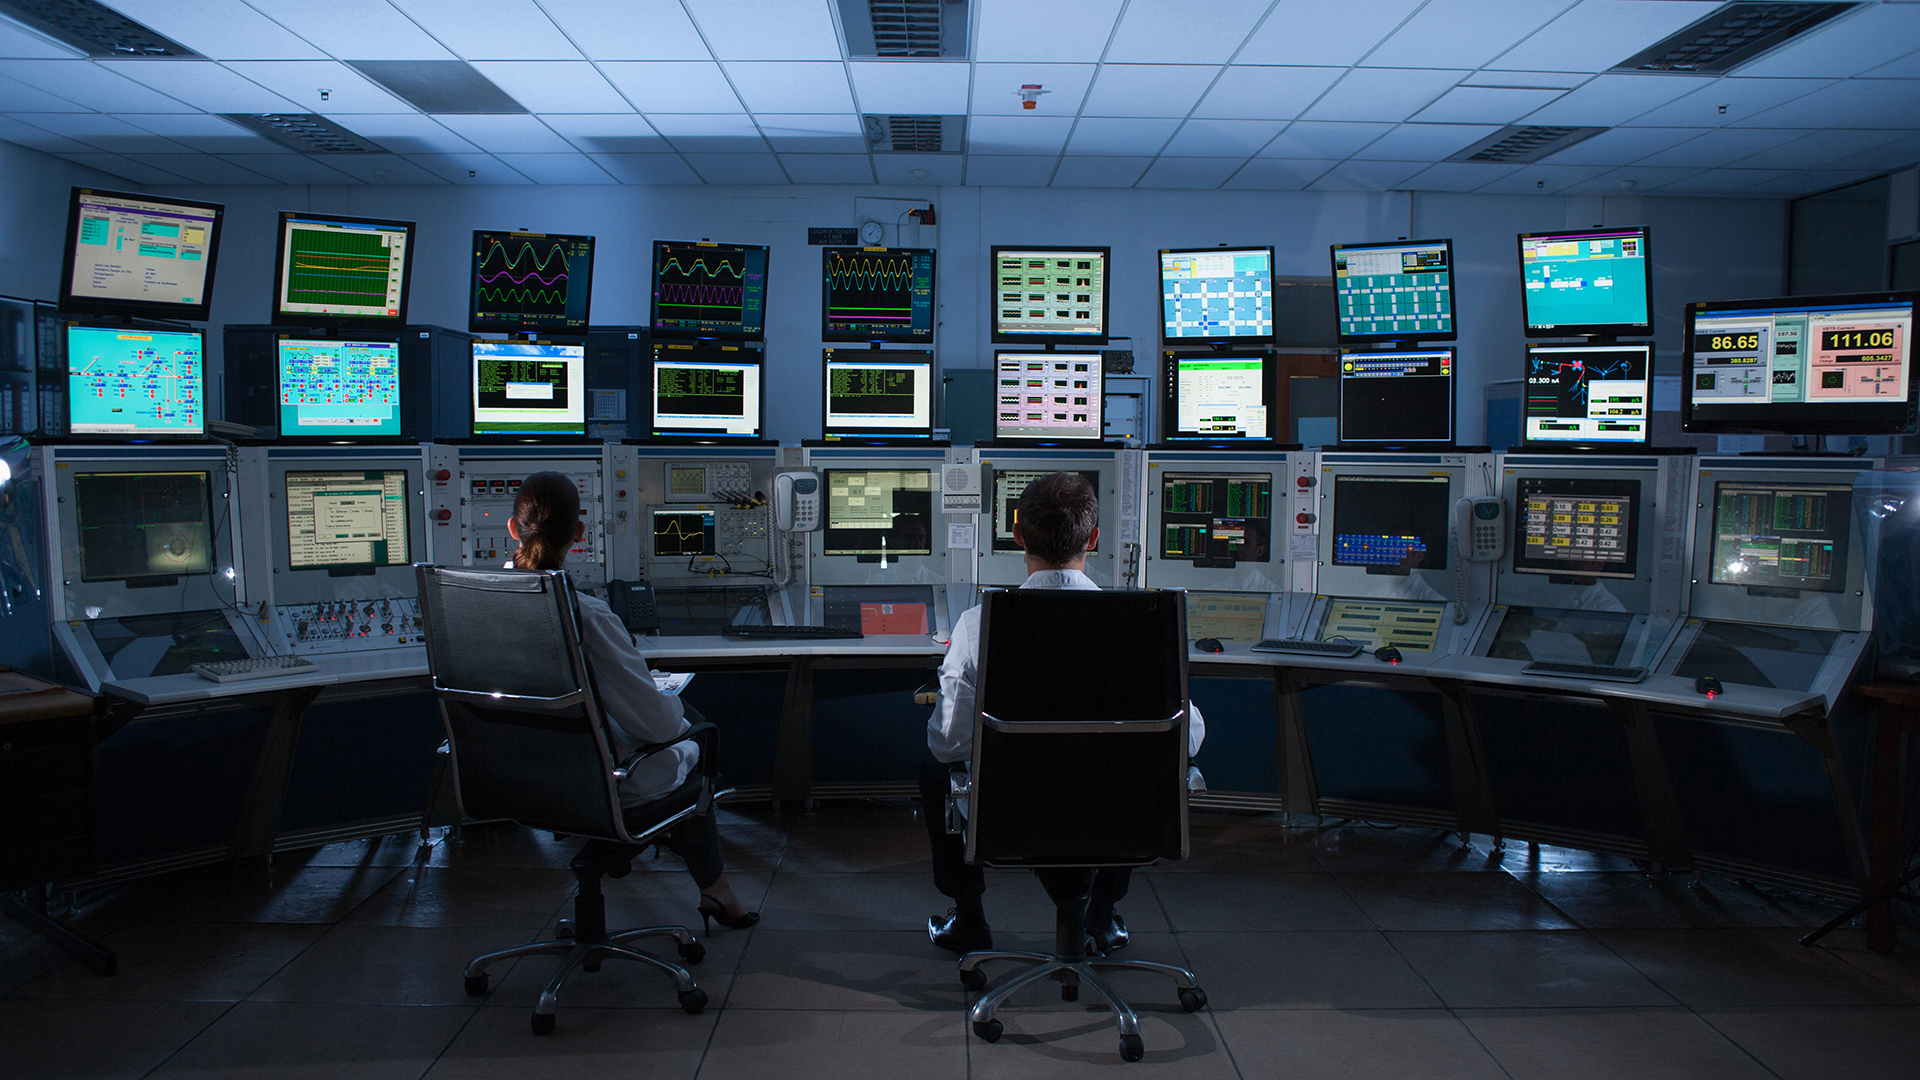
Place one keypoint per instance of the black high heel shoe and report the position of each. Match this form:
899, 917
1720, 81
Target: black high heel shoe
712, 911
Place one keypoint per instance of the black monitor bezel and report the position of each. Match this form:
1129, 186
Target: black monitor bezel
284, 317
709, 541
996, 336
1453, 401
473, 404
827, 532
1575, 330
151, 309
891, 356
1892, 418
1626, 569
1453, 295
399, 373
1619, 445
286, 522
475, 326
660, 333
1002, 439
826, 299
213, 531
66, 343
1267, 338
652, 434
1170, 395
1845, 547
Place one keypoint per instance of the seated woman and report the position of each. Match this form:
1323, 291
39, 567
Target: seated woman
546, 522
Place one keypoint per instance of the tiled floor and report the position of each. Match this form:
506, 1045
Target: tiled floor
1327, 952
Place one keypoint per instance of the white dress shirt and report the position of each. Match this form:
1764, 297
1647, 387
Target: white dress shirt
950, 728
638, 713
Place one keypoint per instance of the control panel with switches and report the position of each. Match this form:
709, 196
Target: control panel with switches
350, 625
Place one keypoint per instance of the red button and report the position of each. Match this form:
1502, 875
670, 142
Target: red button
1304, 519
443, 515
443, 475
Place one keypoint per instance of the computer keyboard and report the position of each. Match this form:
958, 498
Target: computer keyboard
763, 632
260, 667
1304, 645
1565, 670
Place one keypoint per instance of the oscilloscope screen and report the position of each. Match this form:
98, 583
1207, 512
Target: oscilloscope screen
342, 271
702, 289
1783, 536
530, 281
682, 532
1216, 519
881, 294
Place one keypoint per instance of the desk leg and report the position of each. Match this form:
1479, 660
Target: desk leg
1660, 813
793, 749
1884, 861
96, 957
1299, 794
1466, 762
259, 823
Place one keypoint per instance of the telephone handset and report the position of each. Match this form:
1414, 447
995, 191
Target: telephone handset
1480, 528
634, 605
796, 502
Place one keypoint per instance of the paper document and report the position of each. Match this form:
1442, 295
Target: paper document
672, 684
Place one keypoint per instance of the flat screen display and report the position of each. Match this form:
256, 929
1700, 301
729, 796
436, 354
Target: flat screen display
1217, 294
1576, 527
530, 282
1392, 523
136, 383
349, 518
1397, 398
872, 393
1217, 395
706, 393
1592, 282
1400, 291
140, 255
143, 525
1048, 397
703, 289
339, 389
1833, 365
1048, 295
877, 294
1781, 536
879, 512
1589, 393
529, 388
1216, 519
342, 270
682, 532
1008, 486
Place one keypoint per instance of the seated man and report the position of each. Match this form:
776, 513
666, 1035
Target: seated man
1057, 521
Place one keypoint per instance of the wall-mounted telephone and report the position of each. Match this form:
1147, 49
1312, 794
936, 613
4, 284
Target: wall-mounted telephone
633, 603
796, 502
1480, 528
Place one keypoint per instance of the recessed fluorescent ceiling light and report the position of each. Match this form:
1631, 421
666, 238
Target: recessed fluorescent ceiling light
905, 28
93, 28
915, 134
439, 86
1731, 36
1518, 144
305, 133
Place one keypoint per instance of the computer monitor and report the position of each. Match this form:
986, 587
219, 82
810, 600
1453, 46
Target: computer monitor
130, 254
1781, 536
1593, 282
530, 282
1576, 527
1596, 394
877, 294
1048, 397
1392, 524
346, 389
352, 520
1049, 295
335, 270
877, 394
707, 290
1832, 365
1222, 294
1213, 397
143, 527
706, 394
136, 384
529, 388
1399, 291
1399, 398
878, 513
1216, 519
1008, 486
681, 531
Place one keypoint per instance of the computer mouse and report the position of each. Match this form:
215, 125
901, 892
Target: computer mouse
1207, 644
1387, 654
1708, 685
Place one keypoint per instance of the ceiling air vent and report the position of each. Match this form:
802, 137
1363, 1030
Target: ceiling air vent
915, 134
93, 28
447, 87
905, 29
305, 133
1731, 36
1518, 144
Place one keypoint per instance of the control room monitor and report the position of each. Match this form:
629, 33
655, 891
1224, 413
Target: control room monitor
1576, 527
342, 271
1008, 486
1216, 396
1834, 365
1600, 394
338, 389
130, 254
1594, 282
136, 384
143, 527
1216, 295
1781, 536
347, 520
1050, 295
878, 513
877, 294
688, 532
1392, 524
529, 388
1047, 397
876, 394
707, 290
1216, 519
522, 281
1400, 291
706, 394
1397, 398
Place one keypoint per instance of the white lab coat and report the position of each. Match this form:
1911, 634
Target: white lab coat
637, 711
950, 728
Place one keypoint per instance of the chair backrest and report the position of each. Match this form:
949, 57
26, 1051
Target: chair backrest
1080, 730
524, 724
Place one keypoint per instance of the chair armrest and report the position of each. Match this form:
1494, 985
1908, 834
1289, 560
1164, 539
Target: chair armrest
707, 735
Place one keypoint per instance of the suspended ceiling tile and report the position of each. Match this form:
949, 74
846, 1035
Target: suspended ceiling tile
1895, 115
292, 168
520, 134
201, 168
557, 168
1907, 67
92, 85
629, 29
102, 132
219, 29
625, 133
990, 171
673, 86
24, 134
918, 168
1192, 174
19, 42
791, 86
1274, 174
1895, 101
1182, 31
828, 168
1148, 89
1598, 34
1424, 142
710, 133
300, 81
138, 172
355, 29
384, 170
1846, 45
554, 86
1005, 135
1382, 94
1059, 31
1722, 181
204, 85
829, 133
1817, 149
767, 29
996, 88
926, 87
1891, 155
16, 96
1721, 147
1265, 93
1536, 80
1318, 32
207, 134
1622, 146
1459, 176
1613, 99
477, 170
490, 29
1308, 140
1806, 182
738, 168
1223, 138
1543, 179
1632, 180
406, 133
647, 168
1120, 137
1460, 33
1367, 175
1097, 172
1743, 98
1484, 105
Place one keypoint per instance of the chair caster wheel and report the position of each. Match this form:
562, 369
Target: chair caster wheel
974, 980
990, 1030
543, 1023
1131, 1048
564, 931
477, 985
1193, 1000
693, 1001
693, 952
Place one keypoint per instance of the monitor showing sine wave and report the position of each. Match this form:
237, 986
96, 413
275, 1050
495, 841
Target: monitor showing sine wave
703, 289
1589, 393
339, 389
347, 519
530, 282
529, 388
342, 271
1593, 282
877, 294
1217, 294
130, 254
136, 383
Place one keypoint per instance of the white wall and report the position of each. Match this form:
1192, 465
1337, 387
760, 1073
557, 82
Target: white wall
1702, 249
34, 190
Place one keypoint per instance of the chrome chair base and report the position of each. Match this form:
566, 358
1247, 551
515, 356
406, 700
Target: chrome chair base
1072, 972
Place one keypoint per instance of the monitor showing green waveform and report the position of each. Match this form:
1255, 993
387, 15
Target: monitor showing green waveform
530, 281
343, 270
877, 294
709, 290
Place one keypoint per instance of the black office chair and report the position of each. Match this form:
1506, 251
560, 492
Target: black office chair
1079, 762
529, 744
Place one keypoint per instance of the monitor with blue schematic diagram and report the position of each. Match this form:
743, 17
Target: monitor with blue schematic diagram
338, 389
1396, 291
1216, 295
1392, 524
136, 384
1589, 393
1591, 282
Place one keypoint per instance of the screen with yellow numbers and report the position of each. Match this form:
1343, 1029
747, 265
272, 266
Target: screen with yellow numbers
1575, 527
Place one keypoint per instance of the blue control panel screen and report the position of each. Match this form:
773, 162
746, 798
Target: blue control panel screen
1585, 283
136, 383
1392, 523
339, 388
1220, 294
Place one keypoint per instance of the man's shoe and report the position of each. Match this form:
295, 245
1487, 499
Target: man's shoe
954, 936
1107, 935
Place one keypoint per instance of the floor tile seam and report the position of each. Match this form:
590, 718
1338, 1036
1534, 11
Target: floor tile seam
191, 1039
1733, 1042
1545, 899
1604, 944
291, 960
1477, 1040
1912, 999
